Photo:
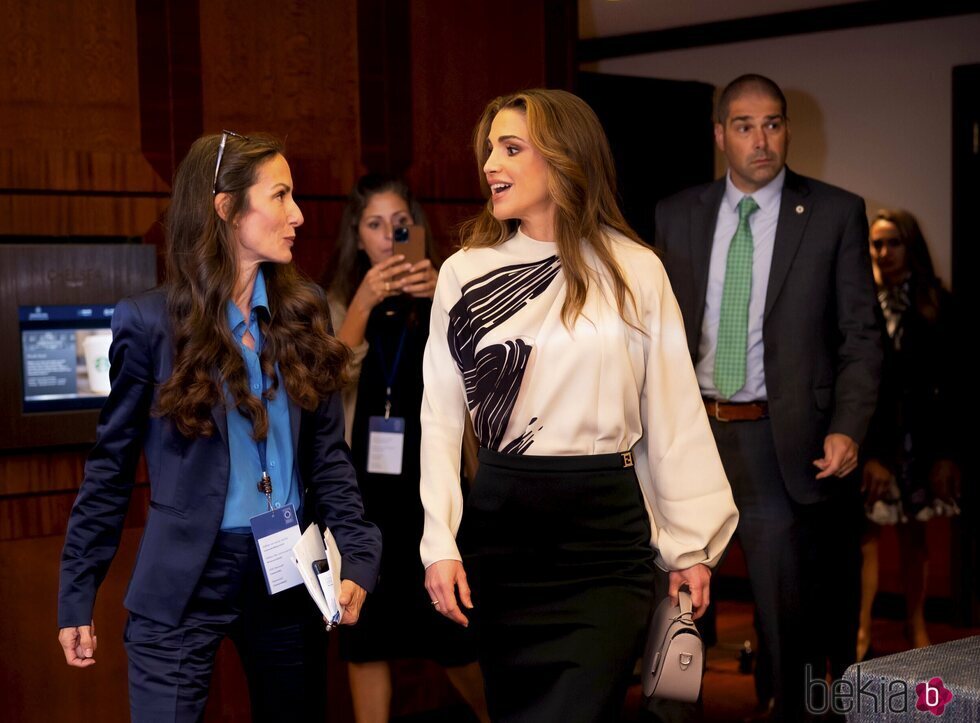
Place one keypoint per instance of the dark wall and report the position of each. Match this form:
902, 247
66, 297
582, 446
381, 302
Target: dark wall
100, 100
661, 136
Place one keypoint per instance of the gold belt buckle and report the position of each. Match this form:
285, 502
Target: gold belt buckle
627, 459
717, 414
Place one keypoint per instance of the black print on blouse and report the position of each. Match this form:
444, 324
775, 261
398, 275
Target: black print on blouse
520, 444
493, 375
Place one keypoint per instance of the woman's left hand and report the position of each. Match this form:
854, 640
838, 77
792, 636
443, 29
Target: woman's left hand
420, 281
351, 598
698, 581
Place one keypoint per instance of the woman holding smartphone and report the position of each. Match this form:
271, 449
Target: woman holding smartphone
556, 330
380, 304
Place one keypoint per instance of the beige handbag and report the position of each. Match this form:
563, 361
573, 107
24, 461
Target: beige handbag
673, 662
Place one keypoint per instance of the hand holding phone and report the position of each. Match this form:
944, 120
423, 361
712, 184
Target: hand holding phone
409, 241
420, 281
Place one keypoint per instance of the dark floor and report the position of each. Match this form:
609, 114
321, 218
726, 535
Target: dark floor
729, 696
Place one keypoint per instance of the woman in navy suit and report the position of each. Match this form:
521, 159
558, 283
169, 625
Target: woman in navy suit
226, 377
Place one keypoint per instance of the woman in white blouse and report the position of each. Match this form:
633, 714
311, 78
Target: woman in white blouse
555, 328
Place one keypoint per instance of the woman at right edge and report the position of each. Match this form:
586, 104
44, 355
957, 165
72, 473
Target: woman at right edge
555, 328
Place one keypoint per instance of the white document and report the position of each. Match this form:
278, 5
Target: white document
310, 548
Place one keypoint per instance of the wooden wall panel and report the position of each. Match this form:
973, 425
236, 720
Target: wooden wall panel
384, 52
24, 518
78, 215
463, 55
37, 685
51, 471
70, 111
301, 85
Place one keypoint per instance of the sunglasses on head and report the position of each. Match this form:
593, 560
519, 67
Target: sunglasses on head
221, 153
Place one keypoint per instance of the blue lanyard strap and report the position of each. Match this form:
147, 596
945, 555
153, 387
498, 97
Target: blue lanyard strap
264, 485
389, 374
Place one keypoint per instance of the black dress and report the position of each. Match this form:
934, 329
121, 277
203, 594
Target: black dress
397, 620
915, 422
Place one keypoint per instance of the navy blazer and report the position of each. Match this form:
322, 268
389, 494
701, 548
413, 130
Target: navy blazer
188, 482
822, 352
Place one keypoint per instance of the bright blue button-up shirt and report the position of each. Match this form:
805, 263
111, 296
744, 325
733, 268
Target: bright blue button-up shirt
244, 500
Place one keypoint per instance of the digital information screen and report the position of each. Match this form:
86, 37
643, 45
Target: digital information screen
65, 355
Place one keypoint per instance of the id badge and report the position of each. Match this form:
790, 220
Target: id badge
275, 532
386, 443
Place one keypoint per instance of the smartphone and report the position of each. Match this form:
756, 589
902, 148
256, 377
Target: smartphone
409, 241
321, 568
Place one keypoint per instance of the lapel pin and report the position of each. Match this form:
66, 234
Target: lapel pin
799, 209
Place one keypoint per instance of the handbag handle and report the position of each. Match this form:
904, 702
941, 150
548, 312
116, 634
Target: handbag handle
685, 604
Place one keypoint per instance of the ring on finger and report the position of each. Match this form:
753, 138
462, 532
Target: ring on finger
435, 603
387, 287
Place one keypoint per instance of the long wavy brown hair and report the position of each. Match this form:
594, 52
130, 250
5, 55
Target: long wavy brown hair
202, 272
582, 183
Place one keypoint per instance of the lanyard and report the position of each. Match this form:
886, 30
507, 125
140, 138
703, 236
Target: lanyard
264, 485
389, 375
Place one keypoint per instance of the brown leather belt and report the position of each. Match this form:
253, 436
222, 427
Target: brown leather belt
736, 411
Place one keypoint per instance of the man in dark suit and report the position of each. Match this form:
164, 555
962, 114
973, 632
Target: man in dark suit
772, 274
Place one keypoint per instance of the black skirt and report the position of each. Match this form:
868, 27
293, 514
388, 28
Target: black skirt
557, 552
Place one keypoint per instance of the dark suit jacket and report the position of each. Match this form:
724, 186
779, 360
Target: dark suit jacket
822, 346
188, 482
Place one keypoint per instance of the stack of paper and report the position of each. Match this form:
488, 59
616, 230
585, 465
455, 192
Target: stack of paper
325, 586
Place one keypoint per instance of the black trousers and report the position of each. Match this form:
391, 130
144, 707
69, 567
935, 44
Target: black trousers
804, 564
557, 550
280, 639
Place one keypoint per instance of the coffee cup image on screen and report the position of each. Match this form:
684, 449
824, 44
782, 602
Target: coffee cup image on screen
66, 363
65, 356
95, 351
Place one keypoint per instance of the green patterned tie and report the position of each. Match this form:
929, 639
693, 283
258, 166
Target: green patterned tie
733, 325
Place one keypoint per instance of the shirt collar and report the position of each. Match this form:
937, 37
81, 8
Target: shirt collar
767, 197
260, 300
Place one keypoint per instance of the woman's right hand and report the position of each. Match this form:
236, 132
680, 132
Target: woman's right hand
442, 578
379, 283
79, 644
875, 481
